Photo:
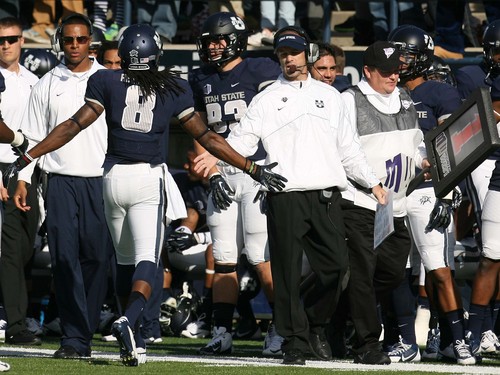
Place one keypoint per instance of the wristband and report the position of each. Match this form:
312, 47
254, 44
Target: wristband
209, 272
18, 139
27, 158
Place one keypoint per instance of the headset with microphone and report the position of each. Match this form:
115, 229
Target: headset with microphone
56, 39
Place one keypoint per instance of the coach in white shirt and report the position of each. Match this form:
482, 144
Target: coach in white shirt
303, 126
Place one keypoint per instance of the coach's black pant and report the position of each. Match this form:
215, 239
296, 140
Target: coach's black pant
80, 247
374, 273
298, 222
18, 238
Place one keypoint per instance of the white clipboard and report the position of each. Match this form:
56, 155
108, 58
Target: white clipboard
384, 221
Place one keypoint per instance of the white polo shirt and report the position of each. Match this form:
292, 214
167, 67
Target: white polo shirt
14, 101
56, 97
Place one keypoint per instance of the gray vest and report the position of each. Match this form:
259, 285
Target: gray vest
371, 121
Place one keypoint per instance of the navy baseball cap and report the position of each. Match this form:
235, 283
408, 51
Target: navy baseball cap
291, 40
383, 56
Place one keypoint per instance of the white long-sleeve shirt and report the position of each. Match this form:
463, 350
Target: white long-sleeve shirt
304, 126
56, 97
14, 101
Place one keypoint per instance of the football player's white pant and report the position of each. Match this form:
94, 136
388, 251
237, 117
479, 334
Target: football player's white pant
491, 225
435, 248
242, 224
134, 204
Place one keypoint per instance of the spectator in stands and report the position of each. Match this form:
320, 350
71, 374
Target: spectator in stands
9, 8
44, 18
270, 21
162, 15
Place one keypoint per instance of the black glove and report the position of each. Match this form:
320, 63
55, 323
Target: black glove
456, 201
262, 174
21, 149
14, 168
261, 197
179, 241
220, 192
440, 217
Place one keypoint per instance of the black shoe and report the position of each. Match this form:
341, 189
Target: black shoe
294, 357
68, 352
320, 347
372, 357
23, 337
247, 329
123, 332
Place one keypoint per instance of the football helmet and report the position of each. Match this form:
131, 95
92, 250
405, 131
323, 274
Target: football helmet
440, 71
38, 61
491, 47
417, 49
97, 39
183, 315
140, 48
222, 26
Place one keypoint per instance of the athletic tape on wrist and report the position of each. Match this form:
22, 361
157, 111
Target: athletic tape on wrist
18, 139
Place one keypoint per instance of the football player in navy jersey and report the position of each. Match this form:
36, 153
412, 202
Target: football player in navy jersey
434, 101
469, 78
485, 285
223, 88
139, 101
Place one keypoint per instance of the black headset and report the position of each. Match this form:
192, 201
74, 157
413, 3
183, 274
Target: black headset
56, 39
312, 49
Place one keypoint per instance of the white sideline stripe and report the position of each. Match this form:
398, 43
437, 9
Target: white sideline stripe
6, 352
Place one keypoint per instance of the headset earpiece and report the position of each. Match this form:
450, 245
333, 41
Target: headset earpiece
56, 39
312, 53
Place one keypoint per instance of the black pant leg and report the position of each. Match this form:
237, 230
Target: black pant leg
17, 249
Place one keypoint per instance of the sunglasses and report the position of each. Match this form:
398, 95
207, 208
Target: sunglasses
11, 39
79, 39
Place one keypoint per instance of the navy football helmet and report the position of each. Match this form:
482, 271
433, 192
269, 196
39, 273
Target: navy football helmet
38, 61
222, 26
491, 47
140, 48
440, 71
97, 39
417, 48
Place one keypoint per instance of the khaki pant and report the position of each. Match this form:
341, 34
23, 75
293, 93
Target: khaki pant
44, 13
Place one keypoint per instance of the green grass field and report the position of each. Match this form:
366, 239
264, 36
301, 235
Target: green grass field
178, 356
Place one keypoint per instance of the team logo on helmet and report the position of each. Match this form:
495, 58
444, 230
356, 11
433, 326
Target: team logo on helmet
238, 23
